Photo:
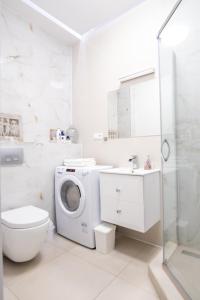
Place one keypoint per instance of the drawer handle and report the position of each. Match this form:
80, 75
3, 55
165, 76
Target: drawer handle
118, 211
118, 190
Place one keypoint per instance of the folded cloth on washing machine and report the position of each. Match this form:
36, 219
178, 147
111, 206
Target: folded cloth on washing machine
80, 162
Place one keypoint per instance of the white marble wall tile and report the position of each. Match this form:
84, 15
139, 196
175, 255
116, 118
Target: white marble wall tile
36, 83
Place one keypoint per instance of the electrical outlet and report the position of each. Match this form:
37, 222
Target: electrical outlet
98, 136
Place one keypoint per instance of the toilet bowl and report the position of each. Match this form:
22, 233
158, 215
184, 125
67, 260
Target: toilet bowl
24, 232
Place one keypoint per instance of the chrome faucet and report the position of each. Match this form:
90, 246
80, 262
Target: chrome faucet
134, 160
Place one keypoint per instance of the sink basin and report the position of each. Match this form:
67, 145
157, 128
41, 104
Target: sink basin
129, 171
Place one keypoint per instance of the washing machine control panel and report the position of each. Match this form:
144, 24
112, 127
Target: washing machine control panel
71, 170
63, 170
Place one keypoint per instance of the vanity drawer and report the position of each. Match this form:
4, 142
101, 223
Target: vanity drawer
123, 213
122, 187
131, 215
109, 208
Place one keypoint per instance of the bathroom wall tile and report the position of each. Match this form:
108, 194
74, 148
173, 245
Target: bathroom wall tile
36, 83
33, 182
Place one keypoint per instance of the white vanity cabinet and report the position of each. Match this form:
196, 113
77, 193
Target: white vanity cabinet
131, 200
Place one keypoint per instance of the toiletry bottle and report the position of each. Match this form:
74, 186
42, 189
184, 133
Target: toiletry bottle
62, 136
147, 165
58, 134
68, 139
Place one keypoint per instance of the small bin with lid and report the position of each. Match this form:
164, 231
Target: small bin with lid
105, 237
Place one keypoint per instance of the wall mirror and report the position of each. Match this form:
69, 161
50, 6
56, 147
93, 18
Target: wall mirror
134, 110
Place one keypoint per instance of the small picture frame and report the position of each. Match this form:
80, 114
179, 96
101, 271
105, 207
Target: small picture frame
10, 127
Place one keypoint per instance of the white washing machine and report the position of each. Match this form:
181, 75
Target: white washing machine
77, 201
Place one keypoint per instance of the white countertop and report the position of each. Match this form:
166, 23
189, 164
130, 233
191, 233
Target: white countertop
129, 171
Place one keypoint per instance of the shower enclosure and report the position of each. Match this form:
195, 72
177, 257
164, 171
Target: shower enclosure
179, 55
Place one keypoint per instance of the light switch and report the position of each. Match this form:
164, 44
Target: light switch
98, 136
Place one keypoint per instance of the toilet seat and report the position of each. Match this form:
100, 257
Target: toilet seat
24, 217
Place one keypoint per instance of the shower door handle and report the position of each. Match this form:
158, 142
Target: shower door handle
165, 142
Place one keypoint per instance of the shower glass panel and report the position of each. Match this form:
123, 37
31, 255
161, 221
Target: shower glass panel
179, 54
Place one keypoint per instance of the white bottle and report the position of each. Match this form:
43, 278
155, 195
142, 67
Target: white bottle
62, 136
68, 141
58, 134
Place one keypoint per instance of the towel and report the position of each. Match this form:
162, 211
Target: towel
80, 162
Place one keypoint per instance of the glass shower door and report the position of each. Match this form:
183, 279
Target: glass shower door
179, 54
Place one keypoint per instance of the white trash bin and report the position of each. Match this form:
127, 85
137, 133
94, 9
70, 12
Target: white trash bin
105, 237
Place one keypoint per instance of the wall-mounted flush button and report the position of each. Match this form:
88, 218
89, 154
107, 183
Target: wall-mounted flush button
16, 158
11, 156
8, 159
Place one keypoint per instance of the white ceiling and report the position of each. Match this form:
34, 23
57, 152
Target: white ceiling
83, 15
68, 20
25, 11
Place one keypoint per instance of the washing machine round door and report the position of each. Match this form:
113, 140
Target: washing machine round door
72, 196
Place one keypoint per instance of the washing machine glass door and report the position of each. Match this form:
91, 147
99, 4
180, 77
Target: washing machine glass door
72, 196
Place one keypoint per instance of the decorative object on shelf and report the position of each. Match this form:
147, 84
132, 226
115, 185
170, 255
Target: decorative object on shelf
10, 127
53, 135
72, 133
59, 135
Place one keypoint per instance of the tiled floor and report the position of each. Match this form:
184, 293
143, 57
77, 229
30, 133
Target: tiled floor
67, 271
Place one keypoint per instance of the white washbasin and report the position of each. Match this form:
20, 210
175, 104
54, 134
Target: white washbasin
129, 171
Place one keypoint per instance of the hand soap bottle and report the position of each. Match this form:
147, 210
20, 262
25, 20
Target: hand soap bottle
147, 165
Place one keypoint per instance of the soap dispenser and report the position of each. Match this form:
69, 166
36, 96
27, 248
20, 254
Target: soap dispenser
147, 165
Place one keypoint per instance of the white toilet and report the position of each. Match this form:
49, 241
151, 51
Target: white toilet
24, 232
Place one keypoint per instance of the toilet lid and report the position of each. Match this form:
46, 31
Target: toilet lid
24, 217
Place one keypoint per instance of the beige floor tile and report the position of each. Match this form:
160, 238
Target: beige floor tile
136, 273
67, 277
129, 247
121, 290
148, 253
62, 242
8, 295
113, 262
15, 271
